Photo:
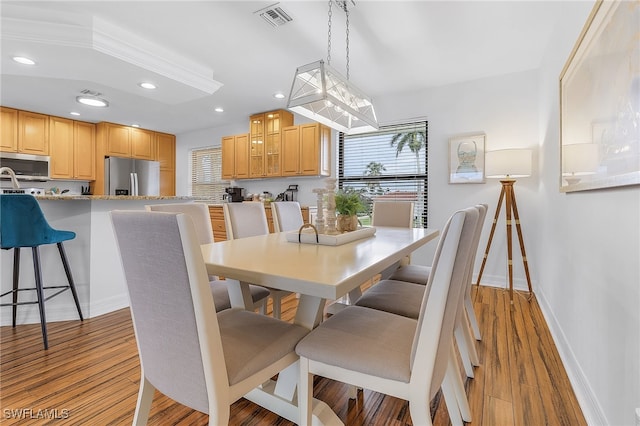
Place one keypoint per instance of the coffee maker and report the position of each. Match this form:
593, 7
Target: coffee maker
234, 194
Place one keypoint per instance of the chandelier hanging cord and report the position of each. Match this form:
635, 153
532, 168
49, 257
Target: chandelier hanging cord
346, 11
329, 36
344, 6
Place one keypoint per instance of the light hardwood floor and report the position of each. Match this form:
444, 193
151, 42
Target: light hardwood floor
90, 376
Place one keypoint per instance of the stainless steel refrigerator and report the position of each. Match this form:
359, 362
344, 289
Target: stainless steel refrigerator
126, 176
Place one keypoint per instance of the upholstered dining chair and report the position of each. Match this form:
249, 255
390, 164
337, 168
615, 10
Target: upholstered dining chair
287, 216
392, 354
189, 353
392, 213
419, 274
199, 214
248, 220
402, 298
23, 224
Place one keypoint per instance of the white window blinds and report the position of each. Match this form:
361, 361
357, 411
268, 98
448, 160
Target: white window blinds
206, 174
390, 164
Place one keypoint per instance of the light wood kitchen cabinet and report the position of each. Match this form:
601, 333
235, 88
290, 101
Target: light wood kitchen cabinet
116, 139
166, 155
61, 148
127, 142
217, 223
220, 231
265, 142
9, 129
84, 150
72, 149
167, 182
143, 144
306, 150
235, 156
33, 133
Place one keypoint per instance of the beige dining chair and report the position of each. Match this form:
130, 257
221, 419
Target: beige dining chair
189, 353
392, 213
287, 216
199, 214
419, 274
392, 354
402, 298
249, 220
398, 214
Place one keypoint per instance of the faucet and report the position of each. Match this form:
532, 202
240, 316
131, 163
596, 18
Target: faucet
10, 172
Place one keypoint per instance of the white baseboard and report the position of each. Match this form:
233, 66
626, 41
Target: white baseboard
109, 305
499, 281
29, 314
591, 409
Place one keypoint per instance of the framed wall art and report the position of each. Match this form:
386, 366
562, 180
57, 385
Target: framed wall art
600, 101
466, 158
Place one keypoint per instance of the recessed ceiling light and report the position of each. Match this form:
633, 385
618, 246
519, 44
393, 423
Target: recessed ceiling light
218, 109
93, 101
135, 125
24, 60
146, 85
278, 95
74, 113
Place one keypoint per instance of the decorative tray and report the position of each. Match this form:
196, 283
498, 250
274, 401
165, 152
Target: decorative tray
308, 235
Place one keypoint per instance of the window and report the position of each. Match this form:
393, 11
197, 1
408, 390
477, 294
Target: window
206, 174
390, 164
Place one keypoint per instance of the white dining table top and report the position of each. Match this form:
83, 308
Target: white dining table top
327, 272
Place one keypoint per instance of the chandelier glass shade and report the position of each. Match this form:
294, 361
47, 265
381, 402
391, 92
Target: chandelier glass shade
320, 93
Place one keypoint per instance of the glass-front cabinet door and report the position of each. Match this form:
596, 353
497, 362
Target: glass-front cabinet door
266, 142
273, 161
256, 146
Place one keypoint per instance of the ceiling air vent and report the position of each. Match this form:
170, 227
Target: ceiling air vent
274, 15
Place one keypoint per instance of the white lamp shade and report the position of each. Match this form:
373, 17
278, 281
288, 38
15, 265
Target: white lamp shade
508, 163
320, 93
580, 159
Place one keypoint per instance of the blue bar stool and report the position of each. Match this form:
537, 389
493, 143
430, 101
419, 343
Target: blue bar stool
23, 225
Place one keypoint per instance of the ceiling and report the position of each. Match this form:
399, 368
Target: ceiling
190, 49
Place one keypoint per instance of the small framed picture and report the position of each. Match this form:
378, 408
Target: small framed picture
466, 158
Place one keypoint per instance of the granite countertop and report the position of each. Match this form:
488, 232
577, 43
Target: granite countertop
112, 197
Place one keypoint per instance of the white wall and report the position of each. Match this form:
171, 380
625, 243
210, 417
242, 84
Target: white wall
583, 248
505, 109
590, 250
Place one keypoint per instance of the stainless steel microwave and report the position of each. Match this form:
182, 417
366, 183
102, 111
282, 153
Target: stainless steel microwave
26, 166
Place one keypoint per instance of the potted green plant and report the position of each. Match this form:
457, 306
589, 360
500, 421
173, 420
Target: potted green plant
348, 204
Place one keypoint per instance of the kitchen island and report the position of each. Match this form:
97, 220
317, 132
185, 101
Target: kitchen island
93, 257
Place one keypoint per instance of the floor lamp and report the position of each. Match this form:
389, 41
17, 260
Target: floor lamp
507, 165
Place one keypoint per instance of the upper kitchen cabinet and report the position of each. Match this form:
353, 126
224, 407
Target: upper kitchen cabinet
116, 139
9, 129
128, 142
166, 146
143, 144
33, 133
235, 156
306, 150
265, 143
84, 150
72, 149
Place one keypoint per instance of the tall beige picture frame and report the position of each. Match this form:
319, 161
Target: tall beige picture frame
600, 101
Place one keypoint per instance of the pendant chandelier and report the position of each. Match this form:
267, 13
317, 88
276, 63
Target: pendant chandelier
322, 94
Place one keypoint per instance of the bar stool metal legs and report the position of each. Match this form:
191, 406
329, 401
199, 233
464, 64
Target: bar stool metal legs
39, 288
67, 270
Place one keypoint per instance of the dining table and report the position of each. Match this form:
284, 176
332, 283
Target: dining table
318, 273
